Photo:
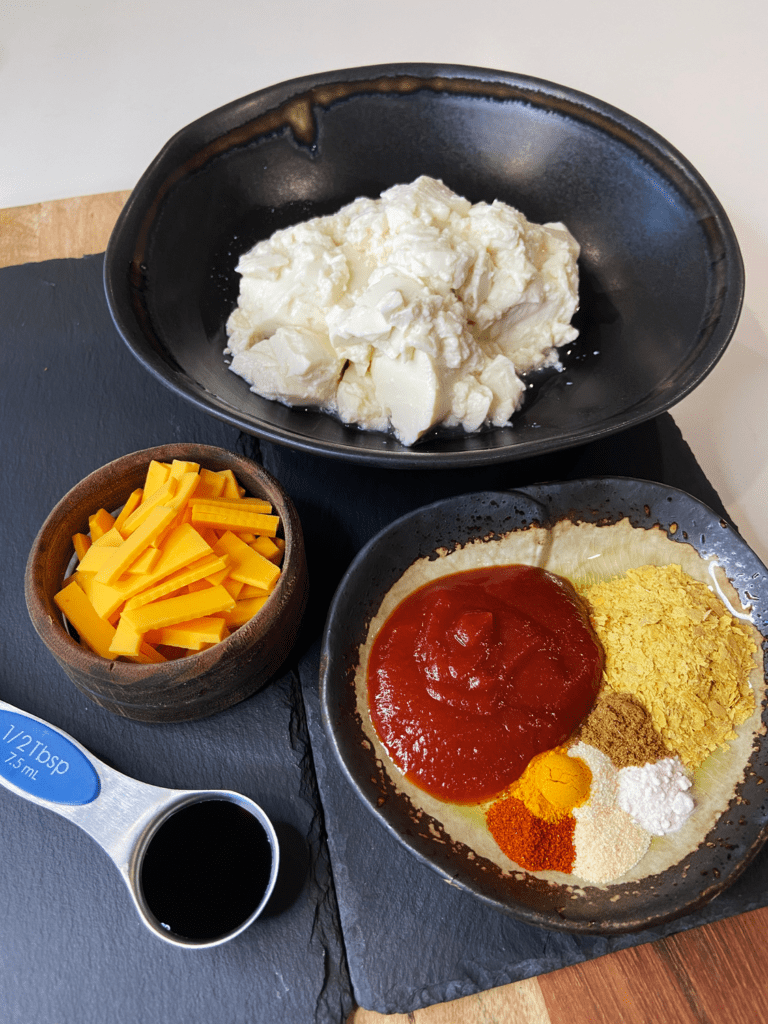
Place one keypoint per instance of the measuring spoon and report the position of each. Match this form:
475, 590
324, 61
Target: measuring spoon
200, 865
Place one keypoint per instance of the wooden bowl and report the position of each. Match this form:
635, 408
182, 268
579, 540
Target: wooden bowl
190, 687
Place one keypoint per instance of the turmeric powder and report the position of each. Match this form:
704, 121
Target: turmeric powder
532, 821
553, 784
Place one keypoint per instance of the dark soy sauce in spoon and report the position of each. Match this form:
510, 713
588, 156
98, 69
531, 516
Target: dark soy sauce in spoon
206, 869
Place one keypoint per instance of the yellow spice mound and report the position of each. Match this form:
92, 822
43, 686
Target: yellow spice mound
672, 644
553, 784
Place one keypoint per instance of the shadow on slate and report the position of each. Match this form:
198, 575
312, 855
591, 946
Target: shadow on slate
412, 939
343, 505
75, 398
72, 947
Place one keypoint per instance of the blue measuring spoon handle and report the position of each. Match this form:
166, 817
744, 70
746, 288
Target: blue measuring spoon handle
41, 763
44, 762
46, 766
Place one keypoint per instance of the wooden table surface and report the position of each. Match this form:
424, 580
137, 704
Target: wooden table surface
706, 975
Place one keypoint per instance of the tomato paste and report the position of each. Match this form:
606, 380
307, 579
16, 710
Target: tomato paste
475, 673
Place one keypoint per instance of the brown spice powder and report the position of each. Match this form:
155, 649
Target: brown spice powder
620, 727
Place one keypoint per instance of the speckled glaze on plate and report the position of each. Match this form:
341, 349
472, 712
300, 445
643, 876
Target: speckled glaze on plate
661, 273
700, 876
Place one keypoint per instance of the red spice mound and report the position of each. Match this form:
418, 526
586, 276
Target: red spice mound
534, 844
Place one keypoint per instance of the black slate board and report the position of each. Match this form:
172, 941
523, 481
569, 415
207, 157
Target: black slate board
72, 947
411, 938
342, 505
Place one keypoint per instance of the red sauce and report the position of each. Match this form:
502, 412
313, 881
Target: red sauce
475, 673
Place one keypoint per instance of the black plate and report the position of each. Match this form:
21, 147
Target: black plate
731, 844
661, 273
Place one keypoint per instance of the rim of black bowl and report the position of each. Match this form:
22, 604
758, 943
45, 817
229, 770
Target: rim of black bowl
294, 105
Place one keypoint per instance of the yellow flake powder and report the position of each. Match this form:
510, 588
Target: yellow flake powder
671, 643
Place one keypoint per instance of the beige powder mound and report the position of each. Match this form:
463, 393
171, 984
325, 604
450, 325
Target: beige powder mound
608, 842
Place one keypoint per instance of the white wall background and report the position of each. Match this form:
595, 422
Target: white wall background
91, 89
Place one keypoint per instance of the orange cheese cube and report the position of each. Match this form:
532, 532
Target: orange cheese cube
132, 547
211, 484
95, 558
251, 504
198, 570
193, 634
250, 591
247, 565
185, 488
232, 488
157, 474
232, 587
244, 611
172, 610
111, 539
148, 655
94, 631
267, 547
235, 519
100, 522
146, 561
180, 468
160, 497
132, 503
81, 542
127, 640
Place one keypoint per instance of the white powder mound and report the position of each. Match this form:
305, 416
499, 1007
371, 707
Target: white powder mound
606, 839
656, 796
405, 312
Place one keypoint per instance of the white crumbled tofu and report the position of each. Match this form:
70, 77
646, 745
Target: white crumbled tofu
406, 312
295, 365
357, 402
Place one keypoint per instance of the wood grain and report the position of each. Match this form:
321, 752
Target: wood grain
706, 975
521, 1003
58, 229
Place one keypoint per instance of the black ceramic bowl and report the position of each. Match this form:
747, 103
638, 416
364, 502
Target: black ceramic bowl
661, 273
730, 845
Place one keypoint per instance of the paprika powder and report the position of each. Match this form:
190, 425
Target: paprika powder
531, 842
